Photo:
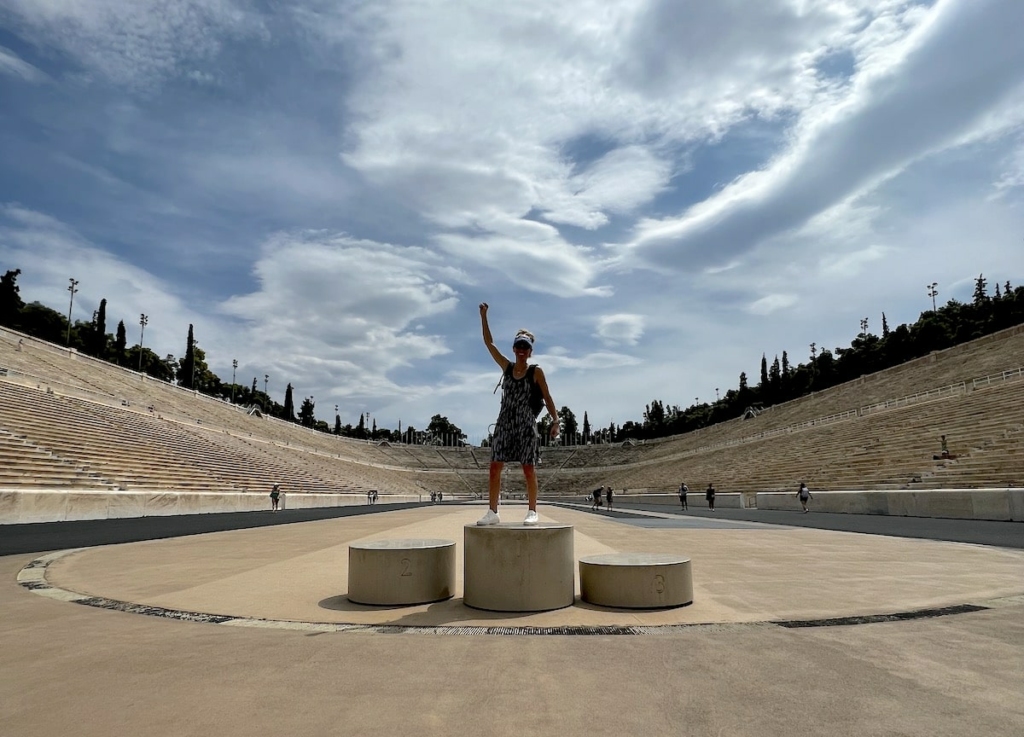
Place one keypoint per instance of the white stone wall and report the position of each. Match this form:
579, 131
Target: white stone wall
986, 504
21, 507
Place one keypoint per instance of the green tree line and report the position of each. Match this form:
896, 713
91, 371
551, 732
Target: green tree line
781, 381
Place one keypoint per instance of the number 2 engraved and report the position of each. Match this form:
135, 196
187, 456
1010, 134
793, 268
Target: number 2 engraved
406, 567
659, 584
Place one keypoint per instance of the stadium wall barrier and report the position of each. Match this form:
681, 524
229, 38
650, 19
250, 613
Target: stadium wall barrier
980, 504
26, 506
723, 499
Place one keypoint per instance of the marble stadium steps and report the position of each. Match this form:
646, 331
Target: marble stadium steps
880, 450
55, 365
136, 451
23, 465
453, 471
75, 373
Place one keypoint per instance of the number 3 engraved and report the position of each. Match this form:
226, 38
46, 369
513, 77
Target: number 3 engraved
659, 584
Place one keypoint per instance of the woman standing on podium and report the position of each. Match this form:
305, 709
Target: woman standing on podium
516, 439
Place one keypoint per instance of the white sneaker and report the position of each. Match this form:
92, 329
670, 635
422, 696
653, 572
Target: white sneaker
531, 518
491, 518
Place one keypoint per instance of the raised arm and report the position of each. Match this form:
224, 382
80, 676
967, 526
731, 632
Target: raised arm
542, 382
489, 341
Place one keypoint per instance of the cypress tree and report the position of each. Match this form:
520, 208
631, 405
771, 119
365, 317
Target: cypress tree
764, 372
99, 345
289, 405
185, 368
120, 343
775, 376
885, 326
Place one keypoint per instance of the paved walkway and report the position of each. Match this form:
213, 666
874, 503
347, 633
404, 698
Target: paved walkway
720, 666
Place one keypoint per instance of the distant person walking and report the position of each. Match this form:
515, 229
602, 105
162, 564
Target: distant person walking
683, 491
710, 496
516, 439
595, 499
804, 494
608, 495
275, 498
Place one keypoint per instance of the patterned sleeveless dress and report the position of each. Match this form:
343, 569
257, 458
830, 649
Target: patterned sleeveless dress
515, 433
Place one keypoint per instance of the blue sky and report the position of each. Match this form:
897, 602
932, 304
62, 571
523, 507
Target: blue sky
660, 190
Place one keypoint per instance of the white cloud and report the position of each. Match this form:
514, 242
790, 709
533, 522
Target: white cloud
621, 328
341, 313
13, 65
529, 254
619, 182
464, 110
893, 116
138, 43
849, 265
49, 252
1012, 171
772, 303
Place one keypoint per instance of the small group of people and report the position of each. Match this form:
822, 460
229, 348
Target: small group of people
684, 491
600, 495
436, 497
803, 494
371, 496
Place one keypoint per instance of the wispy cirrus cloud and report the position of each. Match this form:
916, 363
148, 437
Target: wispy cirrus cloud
344, 312
894, 115
13, 65
134, 44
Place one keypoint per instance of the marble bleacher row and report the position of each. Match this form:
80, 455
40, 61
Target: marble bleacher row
885, 448
340, 464
198, 440
138, 451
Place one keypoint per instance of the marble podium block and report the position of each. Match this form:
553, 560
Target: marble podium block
401, 572
636, 580
514, 568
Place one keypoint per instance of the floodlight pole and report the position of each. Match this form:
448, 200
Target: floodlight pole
73, 288
234, 368
143, 321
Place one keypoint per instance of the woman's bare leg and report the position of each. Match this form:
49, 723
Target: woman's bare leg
531, 486
494, 484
